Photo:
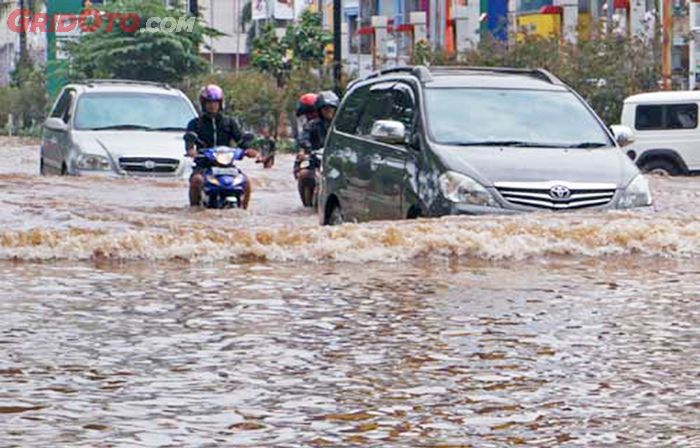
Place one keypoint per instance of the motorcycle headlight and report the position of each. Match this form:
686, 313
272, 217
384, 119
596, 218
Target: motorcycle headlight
224, 158
637, 194
93, 162
462, 189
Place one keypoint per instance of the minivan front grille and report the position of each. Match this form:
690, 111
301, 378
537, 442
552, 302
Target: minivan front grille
148, 164
557, 195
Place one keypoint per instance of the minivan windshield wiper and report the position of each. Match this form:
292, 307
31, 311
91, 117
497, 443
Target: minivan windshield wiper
588, 145
513, 143
119, 126
168, 128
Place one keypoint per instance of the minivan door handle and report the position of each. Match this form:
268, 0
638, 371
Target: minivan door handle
374, 160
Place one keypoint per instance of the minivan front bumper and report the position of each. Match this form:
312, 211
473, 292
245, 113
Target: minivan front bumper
466, 209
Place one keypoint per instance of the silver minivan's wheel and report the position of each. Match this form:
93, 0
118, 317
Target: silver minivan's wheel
661, 167
335, 217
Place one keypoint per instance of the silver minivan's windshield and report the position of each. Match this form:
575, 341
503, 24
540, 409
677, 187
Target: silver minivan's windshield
510, 117
146, 111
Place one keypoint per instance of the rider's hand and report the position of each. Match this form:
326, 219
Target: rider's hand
253, 154
191, 152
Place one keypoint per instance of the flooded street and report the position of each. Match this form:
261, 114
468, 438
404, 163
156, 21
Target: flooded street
130, 320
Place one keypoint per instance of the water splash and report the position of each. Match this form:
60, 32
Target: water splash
460, 237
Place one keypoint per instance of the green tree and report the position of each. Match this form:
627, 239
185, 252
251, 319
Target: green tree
307, 40
604, 69
301, 48
144, 54
269, 55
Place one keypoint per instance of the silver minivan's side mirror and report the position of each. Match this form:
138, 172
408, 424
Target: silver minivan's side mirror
55, 124
389, 131
623, 134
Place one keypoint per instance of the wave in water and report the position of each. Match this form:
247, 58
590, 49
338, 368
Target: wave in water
481, 238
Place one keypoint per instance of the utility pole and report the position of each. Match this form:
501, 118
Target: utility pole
237, 27
692, 45
211, 38
666, 46
337, 46
432, 23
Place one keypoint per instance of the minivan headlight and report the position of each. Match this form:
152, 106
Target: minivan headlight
637, 194
462, 189
93, 162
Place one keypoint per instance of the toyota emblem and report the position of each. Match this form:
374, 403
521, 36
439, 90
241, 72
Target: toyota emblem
560, 192
149, 164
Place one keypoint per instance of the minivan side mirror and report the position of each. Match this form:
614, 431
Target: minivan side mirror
389, 131
623, 134
56, 124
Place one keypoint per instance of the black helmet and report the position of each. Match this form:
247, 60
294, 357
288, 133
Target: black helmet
327, 99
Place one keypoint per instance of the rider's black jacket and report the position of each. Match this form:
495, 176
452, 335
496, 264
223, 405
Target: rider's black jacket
313, 135
216, 130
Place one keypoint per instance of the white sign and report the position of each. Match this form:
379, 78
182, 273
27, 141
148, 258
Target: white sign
283, 9
259, 9
300, 6
392, 50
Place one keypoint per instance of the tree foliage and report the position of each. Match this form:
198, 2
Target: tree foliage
145, 54
301, 48
26, 101
604, 69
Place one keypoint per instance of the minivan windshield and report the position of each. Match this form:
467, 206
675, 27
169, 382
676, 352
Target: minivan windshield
146, 111
512, 117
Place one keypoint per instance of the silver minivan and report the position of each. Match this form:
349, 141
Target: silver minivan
116, 127
417, 141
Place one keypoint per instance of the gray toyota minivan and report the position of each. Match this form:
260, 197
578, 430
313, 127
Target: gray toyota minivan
416, 142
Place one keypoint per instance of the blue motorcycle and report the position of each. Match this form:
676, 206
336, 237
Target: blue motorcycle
224, 183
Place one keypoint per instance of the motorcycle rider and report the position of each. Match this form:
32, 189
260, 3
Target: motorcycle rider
313, 136
211, 129
312, 139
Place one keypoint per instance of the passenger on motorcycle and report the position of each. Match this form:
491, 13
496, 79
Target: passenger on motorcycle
306, 110
212, 129
312, 139
314, 134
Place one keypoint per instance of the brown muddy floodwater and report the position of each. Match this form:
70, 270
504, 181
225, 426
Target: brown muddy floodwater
129, 320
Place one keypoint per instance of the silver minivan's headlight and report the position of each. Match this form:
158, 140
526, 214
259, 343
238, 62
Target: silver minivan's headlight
637, 194
93, 162
462, 189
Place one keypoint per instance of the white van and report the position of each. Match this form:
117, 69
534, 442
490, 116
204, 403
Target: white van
666, 133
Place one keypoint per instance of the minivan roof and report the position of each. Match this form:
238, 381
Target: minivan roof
469, 76
468, 79
664, 97
124, 86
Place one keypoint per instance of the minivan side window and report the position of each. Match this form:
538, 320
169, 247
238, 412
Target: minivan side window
60, 109
63, 106
404, 106
388, 101
349, 116
666, 116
